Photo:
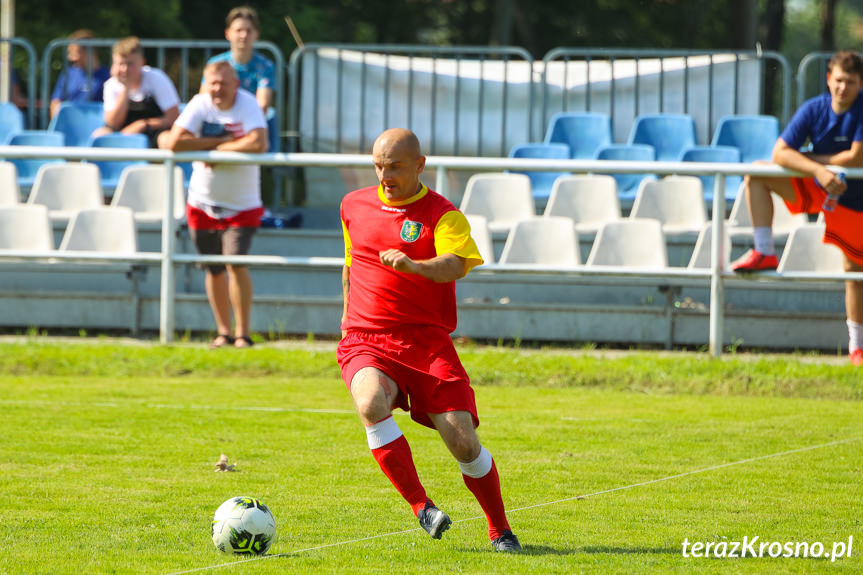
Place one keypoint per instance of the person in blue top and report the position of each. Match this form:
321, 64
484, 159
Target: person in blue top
257, 74
73, 84
832, 124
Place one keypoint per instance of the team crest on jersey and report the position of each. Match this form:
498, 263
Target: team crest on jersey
411, 231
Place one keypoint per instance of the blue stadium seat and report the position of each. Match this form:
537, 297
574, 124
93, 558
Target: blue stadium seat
11, 121
669, 134
627, 184
110, 171
541, 182
584, 133
754, 136
77, 121
725, 154
27, 168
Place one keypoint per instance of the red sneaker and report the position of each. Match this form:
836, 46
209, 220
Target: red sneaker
856, 357
753, 261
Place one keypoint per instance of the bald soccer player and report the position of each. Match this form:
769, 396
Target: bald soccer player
405, 246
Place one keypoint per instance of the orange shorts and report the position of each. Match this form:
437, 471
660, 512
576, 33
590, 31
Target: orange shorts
844, 226
421, 361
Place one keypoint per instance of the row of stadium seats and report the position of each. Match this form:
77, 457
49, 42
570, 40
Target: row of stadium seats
27, 227
590, 201
64, 188
659, 137
638, 243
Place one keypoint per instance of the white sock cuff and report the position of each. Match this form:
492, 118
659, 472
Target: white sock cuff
382, 433
853, 324
480, 466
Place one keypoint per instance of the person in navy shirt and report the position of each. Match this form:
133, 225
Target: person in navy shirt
832, 125
73, 84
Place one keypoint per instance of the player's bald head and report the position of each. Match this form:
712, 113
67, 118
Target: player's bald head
397, 142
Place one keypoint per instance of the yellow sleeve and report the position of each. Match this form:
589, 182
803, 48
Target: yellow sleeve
452, 236
347, 244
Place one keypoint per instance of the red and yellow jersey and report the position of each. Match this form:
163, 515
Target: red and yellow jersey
423, 226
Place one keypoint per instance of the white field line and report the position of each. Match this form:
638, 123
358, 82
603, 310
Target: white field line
576, 497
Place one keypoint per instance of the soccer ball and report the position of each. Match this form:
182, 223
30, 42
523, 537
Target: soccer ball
243, 525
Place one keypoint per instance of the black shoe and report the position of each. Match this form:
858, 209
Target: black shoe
508, 543
433, 520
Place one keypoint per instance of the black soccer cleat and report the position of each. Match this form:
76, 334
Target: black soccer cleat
508, 543
433, 520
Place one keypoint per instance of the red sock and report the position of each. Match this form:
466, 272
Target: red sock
397, 463
486, 489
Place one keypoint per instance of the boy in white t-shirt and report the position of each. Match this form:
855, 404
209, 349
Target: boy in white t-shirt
138, 99
224, 208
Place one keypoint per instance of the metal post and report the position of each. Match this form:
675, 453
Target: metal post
166, 307
717, 258
440, 182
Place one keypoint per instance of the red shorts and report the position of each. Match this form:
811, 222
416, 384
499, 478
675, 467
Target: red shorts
844, 226
201, 220
422, 362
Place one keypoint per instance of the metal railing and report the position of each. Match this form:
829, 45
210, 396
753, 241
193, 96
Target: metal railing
164, 50
818, 61
482, 56
168, 258
595, 58
7, 44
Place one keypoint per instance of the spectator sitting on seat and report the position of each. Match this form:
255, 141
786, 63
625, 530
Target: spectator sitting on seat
256, 73
833, 123
138, 99
224, 208
75, 83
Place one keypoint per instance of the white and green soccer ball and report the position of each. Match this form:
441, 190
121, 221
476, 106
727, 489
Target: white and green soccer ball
243, 525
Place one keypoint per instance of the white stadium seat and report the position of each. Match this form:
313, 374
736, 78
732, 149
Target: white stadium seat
701, 254
103, 229
24, 227
546, 241
144, 188
589, 201
481, 236
502, 198
64, 188
677, 202
9, 193
805, 252
638, 243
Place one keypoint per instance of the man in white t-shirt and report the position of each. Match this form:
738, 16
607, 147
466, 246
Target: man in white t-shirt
224, 208
138, 99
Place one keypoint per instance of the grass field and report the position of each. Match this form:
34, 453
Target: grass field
106, 464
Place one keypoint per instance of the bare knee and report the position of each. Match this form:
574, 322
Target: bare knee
456, 428
373, 394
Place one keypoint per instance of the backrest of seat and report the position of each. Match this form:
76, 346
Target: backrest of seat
669, 134
541, 182
631, 243
806, 252
77, 120
481, 236
501, 198
676, 201
144, 188
120, 140
24, 227
627, 184
69, 186
587, 200
701, 254
9, 193
27, 168
723, 154
102, 229
584, 133
754, 136
11, 120
548, 241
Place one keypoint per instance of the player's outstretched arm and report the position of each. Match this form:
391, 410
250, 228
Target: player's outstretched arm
441, 269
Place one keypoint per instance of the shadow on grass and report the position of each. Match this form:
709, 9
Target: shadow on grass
598, 550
